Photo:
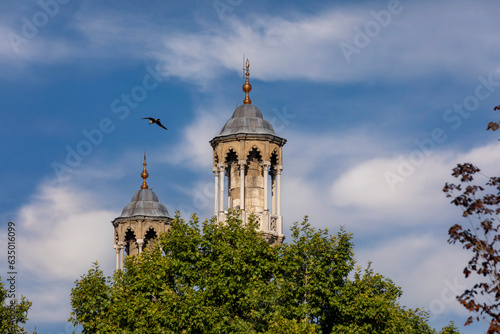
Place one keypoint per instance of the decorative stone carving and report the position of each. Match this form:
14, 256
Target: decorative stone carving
251, 153
143, 213
273, 224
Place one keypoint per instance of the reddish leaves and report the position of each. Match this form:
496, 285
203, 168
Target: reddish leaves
480, 205
493, 126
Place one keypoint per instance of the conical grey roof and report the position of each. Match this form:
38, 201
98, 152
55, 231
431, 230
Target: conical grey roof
145, 203
247, 119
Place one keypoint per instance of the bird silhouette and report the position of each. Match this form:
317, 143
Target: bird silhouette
156, 121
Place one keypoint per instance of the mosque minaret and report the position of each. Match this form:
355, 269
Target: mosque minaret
247, 166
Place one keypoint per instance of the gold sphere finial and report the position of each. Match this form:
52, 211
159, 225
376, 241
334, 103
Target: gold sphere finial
246, 86
144, 174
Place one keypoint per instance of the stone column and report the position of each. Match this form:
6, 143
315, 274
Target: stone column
216, 174
273, 192
140, 243
229, 175
117, 250
222, 171
242, 164
121, 246
265, 166
278, 191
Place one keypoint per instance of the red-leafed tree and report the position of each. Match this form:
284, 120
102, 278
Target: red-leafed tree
479, 198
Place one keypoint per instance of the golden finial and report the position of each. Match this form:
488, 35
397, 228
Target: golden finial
34, 331
144, 174
247, 87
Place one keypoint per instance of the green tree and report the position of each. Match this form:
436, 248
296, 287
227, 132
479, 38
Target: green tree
225, 278
93, 295
12, 314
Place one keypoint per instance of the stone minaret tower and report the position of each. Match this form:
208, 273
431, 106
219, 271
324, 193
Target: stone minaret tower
247, 163
141, 221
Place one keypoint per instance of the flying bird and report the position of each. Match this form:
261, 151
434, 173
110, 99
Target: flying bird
157, 121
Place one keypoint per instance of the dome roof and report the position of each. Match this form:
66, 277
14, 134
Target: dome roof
145, 203
247, 119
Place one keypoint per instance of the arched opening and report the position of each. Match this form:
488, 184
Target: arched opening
150, 237
231, 156
274, 158
254, 182
273, 189
254, 155
131, 242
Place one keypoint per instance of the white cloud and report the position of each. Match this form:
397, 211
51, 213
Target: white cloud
307, 46
50, 298
428, 269
415, 197
62, 230
287, 46
58, 220
404, 233
194, 150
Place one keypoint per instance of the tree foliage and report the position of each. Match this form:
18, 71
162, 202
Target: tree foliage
225, 278
12, 314
479, 202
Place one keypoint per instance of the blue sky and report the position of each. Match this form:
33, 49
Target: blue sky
378, 101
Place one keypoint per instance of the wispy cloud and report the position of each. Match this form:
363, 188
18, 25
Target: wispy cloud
289, 46
404, 233
62, 229
418, 41
193, 149
54, 221
366, 186
424, 265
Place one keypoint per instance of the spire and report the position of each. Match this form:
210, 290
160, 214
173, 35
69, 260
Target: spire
144, 174
34, 331
247, 87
